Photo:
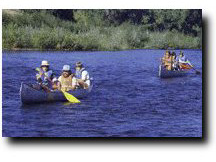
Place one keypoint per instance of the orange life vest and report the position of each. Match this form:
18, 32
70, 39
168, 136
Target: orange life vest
66, 83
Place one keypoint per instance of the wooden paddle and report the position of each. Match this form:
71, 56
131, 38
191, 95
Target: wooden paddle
67, 95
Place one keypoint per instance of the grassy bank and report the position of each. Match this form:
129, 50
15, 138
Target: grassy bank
43, 31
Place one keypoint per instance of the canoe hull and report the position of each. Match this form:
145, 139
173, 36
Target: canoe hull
163, 73
29, 95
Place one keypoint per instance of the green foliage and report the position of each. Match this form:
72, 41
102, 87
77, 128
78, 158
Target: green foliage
169, 19
87, 19
174, 39
101, 29
9, 36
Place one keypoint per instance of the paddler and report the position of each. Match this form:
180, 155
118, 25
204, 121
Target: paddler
82, 76
45, 76
168, 60
183, 62
164, 59
181, 57
67, 80
175, 62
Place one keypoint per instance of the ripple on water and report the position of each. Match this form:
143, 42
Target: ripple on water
128, 98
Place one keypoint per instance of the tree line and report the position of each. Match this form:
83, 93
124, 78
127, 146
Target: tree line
140, 28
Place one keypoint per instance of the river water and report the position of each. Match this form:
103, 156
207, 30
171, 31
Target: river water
128, 98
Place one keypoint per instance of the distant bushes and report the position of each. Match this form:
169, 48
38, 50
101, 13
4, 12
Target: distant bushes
173, 39
112, 38
43, 31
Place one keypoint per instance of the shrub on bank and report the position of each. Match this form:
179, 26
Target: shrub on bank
41, 30
173, 39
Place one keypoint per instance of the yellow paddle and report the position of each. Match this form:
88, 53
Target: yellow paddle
67, 95
70, 97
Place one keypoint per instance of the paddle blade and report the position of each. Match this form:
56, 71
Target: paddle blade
70, 97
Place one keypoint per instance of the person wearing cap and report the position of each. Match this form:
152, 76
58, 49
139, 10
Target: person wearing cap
82, 76
45, 76
67, 80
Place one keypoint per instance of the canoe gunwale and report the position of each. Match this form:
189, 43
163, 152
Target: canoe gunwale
29, 95
163, 73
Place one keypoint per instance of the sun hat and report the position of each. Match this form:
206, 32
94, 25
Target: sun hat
44, 63
66, 68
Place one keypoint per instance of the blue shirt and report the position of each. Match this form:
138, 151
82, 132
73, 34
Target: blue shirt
46, 77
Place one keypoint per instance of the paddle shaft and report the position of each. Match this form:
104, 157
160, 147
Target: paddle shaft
196, 70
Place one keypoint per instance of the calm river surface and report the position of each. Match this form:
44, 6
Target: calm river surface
128, 98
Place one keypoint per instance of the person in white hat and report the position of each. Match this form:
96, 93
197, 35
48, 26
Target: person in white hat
45, 76
67, 80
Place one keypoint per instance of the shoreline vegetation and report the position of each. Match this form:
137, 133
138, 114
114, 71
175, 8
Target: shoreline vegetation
101, 30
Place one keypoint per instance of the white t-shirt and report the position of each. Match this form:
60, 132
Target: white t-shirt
85, 76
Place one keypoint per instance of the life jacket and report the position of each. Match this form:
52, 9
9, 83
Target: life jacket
66, 83
79, 74
46, 81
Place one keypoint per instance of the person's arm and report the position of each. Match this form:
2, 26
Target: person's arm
59, 83
39, 74
74, 83
49, 75
84, 75
38, 77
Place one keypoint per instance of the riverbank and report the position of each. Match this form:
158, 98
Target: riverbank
40, 30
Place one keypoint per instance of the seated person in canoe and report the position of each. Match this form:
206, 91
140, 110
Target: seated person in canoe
67, 80
168, 60
44, 77
175, 64
183, 62
171, 62
82, 75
